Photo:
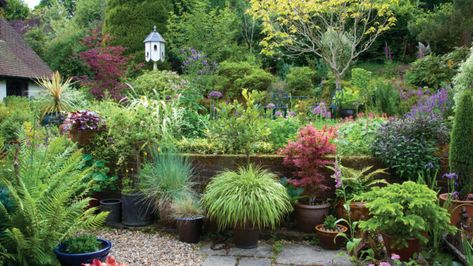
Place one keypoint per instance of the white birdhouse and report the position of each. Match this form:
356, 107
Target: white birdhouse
154, 47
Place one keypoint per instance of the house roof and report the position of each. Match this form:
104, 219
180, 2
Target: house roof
17, 59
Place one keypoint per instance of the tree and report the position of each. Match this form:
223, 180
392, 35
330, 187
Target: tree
337, 31
15, 9
463, 81
129, 22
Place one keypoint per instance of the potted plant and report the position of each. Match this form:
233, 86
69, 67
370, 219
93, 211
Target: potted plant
309, 155
165, 178
349, 101
135, 211
461, 161
403, 214
82, 126
54, 101
246, 200
189, 219
350, 182
81, 249
328, 231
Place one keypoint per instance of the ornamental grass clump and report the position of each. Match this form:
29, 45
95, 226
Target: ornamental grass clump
250, 197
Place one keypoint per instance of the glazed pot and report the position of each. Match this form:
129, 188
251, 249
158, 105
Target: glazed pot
328, 238
455, 207
114, 207
359, 211
135, 211
406, 253
308, 216
245, 237
67, 259
341, 212
190, 229
83, 138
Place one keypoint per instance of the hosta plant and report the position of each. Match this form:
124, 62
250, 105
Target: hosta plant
250, 196
309, 153
404, 211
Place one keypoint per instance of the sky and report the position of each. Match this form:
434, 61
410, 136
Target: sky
32, 3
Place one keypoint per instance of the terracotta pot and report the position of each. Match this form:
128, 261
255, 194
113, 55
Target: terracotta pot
308, 216
82, 138
455, 207
341, 212
406, 253
327, 237
359, 211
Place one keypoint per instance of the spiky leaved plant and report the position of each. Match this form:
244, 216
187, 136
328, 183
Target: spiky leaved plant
461, 153
55, 86
47, 188
250, 196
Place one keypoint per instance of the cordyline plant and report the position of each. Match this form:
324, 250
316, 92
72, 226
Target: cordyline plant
108, 65
309, 154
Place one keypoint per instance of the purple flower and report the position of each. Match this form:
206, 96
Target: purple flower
271, 106
337, 175
292, 114
278, 114
81, 121
215, 95
321, 110
383, 263
395, 256
450, 176
429, 165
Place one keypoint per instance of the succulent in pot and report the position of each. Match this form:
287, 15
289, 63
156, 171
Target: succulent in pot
82, 125
82, 249
189, 217
404, 214
246, 200
309, 154
164, 179
328, 231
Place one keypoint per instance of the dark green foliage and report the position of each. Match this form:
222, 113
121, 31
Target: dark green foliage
165, 83
301, 80
330, 222
16, 10
129, 22
81, 244
282, 130
386, 97
235, 76
13, 114
461, 153
404, 211
429, 71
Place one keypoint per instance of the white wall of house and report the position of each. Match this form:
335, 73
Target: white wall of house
3, 89
33, 89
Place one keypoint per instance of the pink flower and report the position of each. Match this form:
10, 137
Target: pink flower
394, 256
384, 263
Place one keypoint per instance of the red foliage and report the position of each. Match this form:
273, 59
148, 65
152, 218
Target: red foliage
108, 65
309, 155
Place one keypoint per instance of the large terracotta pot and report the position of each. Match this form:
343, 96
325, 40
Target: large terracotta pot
308, 216
455, 207
406, 253
359, 211
82, 138
328, 238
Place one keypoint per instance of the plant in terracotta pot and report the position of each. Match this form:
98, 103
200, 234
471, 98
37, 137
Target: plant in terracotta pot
164, 179
82, 126
404, 215
247, 200
350, 182
309, 155
189, 217
461, 160
328, 231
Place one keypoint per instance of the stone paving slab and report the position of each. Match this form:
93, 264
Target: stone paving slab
254, 262
206, 250
220, 261
262, 251
306, 255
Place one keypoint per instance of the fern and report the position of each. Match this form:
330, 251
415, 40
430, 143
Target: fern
48, 190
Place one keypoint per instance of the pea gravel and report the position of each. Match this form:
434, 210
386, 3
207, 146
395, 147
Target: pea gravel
136, 247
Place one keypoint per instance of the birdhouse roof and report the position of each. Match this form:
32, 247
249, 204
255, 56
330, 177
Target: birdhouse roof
154, 37
17, 59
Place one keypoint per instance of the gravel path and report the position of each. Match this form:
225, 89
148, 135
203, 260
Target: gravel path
150, 248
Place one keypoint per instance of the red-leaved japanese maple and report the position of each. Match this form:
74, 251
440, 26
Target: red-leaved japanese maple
309, 155
107, 64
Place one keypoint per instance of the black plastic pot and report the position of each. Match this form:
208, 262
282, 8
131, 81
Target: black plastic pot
53, 119
67, 259
190, 229
245, 238
345, 113
135, 211
114, 207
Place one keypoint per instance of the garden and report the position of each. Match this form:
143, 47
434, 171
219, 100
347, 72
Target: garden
263, 132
